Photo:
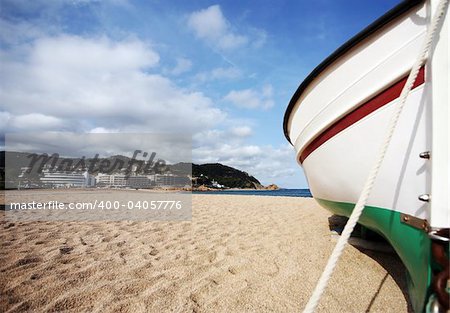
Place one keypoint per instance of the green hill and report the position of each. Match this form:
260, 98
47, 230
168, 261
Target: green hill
224, 175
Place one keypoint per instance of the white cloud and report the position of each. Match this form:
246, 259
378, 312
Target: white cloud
267, 91
170, 147
241, 131
73, 53
4, 121
35, 121
183, 65
260, 38
97, 82
219, 73
230, 154
208, 137
208, 23
251, 98
19, 31
102, 130
267, 163
233, 135
211, 25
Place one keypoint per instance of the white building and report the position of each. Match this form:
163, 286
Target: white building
216, 184
171, 180
138, 182
67, 179
122, 181
111, 180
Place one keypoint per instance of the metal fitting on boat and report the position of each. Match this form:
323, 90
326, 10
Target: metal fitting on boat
424, 197
440, 234
414, 222
434, 306
425, 155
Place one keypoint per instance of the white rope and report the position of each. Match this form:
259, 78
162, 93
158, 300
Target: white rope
359, 207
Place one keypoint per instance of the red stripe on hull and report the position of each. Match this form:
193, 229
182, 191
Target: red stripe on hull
383, 98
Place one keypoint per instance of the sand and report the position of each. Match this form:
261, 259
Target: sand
238, 254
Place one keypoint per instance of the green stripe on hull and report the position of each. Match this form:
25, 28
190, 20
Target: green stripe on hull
411, 244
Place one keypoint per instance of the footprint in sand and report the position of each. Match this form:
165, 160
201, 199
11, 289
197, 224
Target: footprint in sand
65, 250
10, 225
154, 252
28, 260
35, 276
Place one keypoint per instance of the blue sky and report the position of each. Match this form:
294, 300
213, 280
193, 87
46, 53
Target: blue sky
221, 70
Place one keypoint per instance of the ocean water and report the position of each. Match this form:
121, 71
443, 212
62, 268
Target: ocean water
277, 193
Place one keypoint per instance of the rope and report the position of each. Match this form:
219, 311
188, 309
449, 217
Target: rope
368, 186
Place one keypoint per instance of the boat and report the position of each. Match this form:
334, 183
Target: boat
337, 119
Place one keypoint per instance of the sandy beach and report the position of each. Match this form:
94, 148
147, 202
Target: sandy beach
238, 254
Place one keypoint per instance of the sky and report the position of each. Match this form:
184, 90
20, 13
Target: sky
221, 71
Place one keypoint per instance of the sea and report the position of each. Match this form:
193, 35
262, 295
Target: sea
273, 193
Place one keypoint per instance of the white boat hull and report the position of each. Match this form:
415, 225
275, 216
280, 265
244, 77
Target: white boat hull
337, 121
338, 169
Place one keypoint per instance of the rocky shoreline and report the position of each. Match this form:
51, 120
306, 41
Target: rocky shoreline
206, 188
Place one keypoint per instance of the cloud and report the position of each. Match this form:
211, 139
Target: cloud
252, 99
73, 53
267, 163
219, 73
86, 83
211, 25
260, 37
36, 121
183, 65
170, 147
4, 121
233, 135
208, 137
241, 131
19, 31
102, 130
230, 154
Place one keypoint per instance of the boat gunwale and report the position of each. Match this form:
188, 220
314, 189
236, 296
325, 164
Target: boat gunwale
382, 21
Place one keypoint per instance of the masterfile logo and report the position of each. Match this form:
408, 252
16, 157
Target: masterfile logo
73, 177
